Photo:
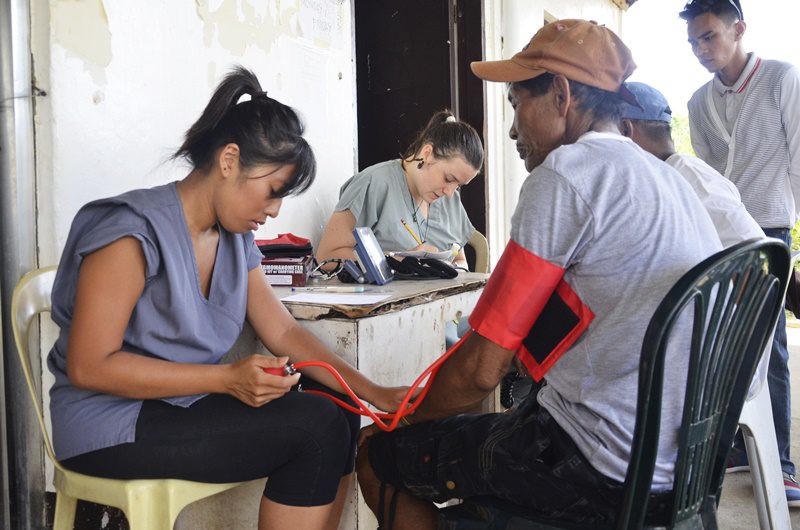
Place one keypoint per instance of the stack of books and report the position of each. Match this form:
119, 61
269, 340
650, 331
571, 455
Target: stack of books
287, 260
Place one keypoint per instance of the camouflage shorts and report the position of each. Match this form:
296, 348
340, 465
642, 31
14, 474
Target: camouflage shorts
521, 456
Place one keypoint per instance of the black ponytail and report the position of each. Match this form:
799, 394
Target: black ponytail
449, 137
266, 131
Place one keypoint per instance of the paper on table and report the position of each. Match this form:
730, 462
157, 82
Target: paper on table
336, 298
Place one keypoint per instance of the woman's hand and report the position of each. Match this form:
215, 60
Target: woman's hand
426, 248
248, 382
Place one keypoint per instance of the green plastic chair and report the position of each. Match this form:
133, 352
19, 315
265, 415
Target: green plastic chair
152, 504
731, 329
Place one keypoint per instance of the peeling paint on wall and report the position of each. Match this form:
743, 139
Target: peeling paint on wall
237, 24
82, 28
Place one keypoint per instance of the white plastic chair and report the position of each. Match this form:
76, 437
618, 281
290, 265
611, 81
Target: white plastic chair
481, 247
761, 444
148, 504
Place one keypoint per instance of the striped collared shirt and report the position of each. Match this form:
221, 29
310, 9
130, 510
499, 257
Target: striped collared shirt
728, 100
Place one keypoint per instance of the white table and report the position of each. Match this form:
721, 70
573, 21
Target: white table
391, 342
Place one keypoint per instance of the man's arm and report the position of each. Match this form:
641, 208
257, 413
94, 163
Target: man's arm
464, 381
790, 115
699, 142
516, 294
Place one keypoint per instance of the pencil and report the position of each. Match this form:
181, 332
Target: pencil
416, 238
334, 288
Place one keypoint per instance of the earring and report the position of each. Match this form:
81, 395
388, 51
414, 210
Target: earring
421, 162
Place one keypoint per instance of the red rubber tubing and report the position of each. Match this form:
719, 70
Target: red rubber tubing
404, 409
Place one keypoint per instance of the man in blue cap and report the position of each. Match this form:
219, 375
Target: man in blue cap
649, 126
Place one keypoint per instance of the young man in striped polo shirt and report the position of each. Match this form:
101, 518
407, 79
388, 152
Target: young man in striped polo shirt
745, 123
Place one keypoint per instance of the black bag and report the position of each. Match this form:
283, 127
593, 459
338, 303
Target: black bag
421, 269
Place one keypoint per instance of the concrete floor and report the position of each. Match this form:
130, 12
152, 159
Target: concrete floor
737, 510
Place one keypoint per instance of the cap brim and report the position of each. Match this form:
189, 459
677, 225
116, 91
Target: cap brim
505, 71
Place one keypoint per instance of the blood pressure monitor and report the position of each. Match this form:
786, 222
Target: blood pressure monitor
371, 256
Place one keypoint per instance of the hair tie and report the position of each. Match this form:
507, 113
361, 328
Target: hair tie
260, 94
450, 119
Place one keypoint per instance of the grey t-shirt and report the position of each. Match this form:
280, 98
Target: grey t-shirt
378, 197
172, 320
625, 227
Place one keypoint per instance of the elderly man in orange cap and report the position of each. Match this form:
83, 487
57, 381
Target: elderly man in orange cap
598, 238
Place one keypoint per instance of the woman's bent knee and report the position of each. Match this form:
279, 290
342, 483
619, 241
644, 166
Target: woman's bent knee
321, 451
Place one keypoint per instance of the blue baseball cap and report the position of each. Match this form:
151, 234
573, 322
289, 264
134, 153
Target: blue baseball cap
654, 106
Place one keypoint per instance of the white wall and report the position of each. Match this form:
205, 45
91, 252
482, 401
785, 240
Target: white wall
126, 79
518, 20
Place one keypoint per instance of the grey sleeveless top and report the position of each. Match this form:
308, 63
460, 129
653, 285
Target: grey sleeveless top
172, 320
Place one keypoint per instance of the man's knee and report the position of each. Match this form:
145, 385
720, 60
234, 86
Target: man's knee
367, 480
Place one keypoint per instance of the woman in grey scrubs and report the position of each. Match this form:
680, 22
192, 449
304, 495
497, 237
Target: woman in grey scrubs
153, 288
417, 193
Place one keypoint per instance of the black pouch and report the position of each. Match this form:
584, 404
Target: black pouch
421, 269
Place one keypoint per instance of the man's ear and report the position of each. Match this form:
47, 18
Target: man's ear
228, 160
741, 27
626, 127
561, 94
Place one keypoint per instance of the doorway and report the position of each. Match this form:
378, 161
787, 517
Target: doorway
412, 59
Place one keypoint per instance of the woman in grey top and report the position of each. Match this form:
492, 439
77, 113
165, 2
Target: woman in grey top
153, 289
421, 189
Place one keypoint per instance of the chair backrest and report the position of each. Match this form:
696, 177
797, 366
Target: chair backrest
481, 247
760, 377
736, 296
32, 297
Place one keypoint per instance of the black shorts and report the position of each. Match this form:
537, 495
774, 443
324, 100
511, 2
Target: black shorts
304, 443
521, 456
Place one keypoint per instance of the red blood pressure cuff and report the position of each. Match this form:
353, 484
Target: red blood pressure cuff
527, 306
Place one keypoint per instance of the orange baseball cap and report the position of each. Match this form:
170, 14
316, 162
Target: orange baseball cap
580, 50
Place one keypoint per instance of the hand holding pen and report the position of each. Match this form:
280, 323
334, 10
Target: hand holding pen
421, 245
415, 236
